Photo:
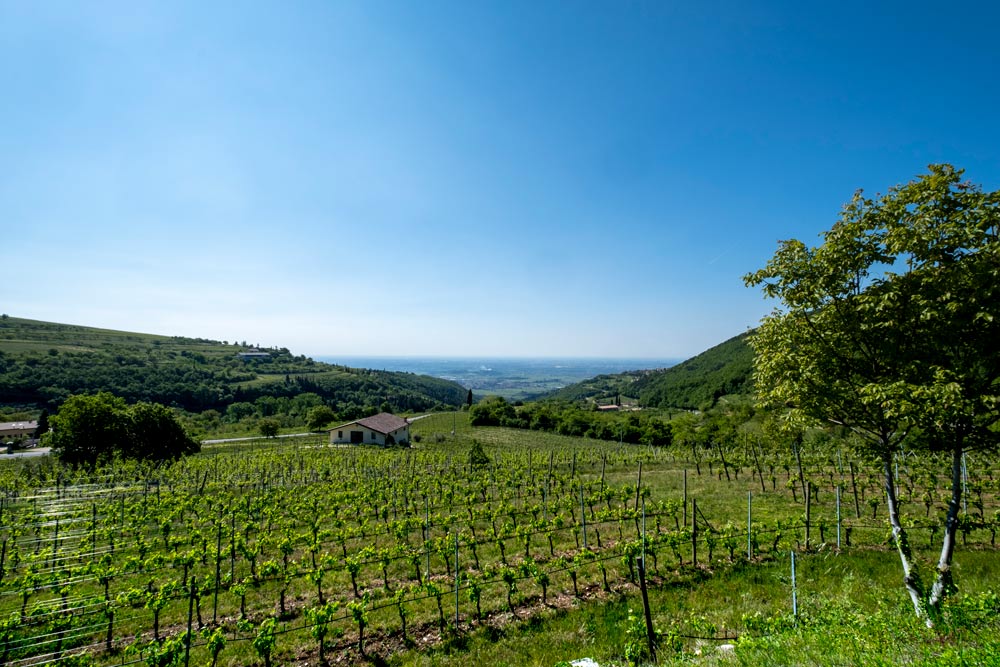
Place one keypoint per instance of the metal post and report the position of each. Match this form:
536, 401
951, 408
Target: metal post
749, 524
965, 490
545, 501
232, 547
218, 562
685, 497
427, 536
187, 639
838, 518
795, 600
638, 485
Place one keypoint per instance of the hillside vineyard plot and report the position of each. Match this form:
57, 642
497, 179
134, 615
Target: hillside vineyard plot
239, 555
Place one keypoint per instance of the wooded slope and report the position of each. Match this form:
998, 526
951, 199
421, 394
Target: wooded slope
696, 383
42, 363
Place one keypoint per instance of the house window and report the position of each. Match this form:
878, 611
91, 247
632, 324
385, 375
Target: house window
340, 435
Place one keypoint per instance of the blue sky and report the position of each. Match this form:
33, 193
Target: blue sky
460, 178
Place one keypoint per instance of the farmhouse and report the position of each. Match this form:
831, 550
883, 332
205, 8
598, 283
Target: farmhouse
380, 429
18, 429
253, 354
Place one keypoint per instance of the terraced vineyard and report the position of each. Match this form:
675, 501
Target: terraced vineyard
303, 552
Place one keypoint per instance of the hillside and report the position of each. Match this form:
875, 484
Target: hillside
41, 363
719, 371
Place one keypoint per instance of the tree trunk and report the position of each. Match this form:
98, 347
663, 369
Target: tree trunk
910, 578
943, 584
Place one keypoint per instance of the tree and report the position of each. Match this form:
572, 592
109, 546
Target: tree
268, 427
493, 411
319, 416
889, 328
92, 428
43, 424
468, 399
153, 432
88, 428
477, 455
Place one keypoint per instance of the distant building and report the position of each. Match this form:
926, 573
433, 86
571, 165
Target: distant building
380, 429
254, 354
18, 429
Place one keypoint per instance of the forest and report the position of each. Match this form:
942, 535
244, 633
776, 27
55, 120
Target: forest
695, 384
42, 364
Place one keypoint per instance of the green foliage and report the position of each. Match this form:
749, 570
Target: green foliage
889, 328
319, 417
477, 455
637, 641
88, 429
697, 383
265, 640
492, 411
891, 324
268, 427
572, 420
193, 374
720, 371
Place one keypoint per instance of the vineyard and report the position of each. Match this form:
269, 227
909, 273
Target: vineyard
271, 553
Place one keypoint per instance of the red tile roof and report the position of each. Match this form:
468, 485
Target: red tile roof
383, 422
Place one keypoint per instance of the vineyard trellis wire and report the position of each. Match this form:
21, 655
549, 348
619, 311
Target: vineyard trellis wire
87, 551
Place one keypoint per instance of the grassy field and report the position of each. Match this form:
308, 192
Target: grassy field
548, 536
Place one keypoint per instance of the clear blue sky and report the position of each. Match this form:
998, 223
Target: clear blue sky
460, 178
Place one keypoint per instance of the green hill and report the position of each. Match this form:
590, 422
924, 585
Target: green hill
698, 382
41, 363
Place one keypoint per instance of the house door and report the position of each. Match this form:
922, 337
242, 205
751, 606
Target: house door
357, 437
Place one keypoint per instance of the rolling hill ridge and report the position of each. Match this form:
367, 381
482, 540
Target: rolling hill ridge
693, 384
42, 363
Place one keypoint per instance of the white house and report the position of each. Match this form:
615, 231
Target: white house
380, 429
253, 354
18, 429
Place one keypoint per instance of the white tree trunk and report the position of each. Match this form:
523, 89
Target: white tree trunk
943, 584
910, 578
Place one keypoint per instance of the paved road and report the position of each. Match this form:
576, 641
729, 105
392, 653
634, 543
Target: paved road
26, 453
259, 437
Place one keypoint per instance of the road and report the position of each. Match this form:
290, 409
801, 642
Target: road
259, 437
26, 453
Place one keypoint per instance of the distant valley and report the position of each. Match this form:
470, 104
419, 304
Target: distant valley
510, 377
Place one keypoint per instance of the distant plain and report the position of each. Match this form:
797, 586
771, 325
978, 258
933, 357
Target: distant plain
511, 377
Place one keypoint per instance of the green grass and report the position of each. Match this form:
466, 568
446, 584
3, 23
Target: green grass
852, 611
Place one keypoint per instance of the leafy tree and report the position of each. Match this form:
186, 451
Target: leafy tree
468, 399
268, 427
493, 411
87, 428
889, 328
153, 432
91, 428
477, 455
320, 416
43, 424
